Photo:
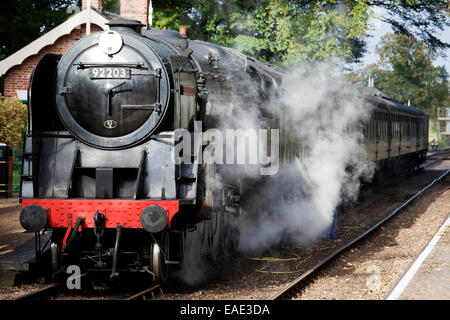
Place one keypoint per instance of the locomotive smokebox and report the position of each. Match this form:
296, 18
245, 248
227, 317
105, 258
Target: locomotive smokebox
112, 88
154, 219
33, 218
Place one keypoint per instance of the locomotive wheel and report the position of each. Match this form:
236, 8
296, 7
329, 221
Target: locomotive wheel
158, 267
230, 234
205, 232
234, 233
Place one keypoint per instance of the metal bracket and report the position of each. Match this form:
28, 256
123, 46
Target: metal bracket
145, 107
99, 229
109, 93
214, 61
84, 65
65, 90
149, 107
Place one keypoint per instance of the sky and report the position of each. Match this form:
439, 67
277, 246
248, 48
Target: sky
381, 28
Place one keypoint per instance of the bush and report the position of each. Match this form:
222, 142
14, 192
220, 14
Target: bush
13, 115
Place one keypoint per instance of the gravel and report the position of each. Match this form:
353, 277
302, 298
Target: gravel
367, 271
371, 269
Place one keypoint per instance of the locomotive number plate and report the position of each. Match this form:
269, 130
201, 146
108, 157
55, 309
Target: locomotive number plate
109, 73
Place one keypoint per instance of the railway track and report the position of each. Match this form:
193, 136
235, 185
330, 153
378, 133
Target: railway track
41, 292
56, 291
142, 295
297, 283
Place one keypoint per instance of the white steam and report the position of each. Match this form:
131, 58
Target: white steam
327, 119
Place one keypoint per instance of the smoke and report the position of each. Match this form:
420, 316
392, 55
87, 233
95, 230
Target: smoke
298, 203
325, 120
193, 270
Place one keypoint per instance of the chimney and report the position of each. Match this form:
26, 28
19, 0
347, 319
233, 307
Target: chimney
94, 3
135, 10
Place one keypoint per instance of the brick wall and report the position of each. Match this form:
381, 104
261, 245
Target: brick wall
17, 77
134, 10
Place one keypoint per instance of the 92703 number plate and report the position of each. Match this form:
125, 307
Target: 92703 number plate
109, 73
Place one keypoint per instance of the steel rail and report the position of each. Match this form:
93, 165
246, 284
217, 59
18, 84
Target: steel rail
40, 292
335, 253
44, 291
144, 292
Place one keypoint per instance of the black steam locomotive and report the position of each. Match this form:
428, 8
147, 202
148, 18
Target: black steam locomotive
99, 168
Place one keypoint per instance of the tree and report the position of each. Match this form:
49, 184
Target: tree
406, 72
276, 31
285, 31
421, 18
23, 21
13, 115
112, 6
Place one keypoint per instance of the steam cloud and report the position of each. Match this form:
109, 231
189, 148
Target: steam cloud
298, 203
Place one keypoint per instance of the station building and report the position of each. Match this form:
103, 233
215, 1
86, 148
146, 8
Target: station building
443, 124
90, 18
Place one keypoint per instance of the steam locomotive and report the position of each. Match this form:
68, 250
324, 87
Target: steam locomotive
99, 169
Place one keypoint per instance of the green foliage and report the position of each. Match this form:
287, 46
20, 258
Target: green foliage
276, 31
424, 19
279, 31
111, 6
286, 31
23, 21
406, 72
13, 115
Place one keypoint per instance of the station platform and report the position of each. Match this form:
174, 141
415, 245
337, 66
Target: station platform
431, 153
428, 277
9, 205
17, 247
